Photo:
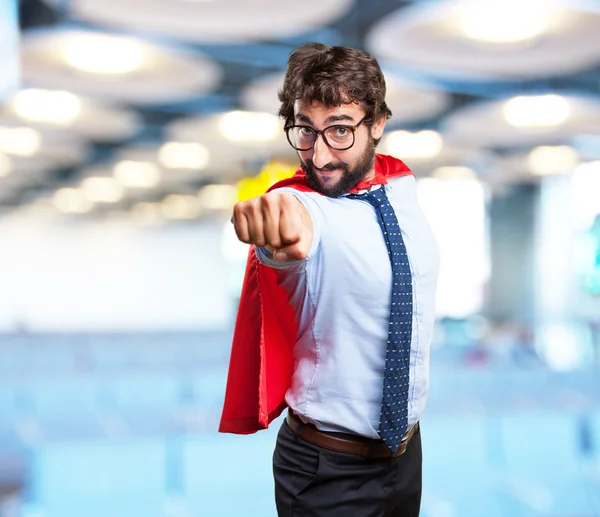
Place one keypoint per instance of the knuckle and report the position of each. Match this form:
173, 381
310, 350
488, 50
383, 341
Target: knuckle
244, 208
254, 204
267, 199
269, 203
238, 209
249, 211
288, 235
288, 200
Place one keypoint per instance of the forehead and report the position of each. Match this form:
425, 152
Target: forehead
316, 111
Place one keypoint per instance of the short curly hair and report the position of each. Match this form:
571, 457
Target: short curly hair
333, 76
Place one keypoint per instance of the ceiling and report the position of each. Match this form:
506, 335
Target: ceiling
145, 89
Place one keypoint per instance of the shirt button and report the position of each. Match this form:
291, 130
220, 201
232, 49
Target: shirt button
420, 361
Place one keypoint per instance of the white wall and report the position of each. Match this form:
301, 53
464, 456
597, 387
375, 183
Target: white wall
112, 276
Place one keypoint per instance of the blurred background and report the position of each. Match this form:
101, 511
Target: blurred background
128, 129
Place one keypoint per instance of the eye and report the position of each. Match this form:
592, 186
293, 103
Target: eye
341, 131
305, 131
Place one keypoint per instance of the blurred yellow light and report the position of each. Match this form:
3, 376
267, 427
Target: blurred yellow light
218, 197
251, 187
271, 173
22, 141
71, 201
55, 107
102, 190
180, 207
103, 54
248, 126
137, 174
454, 173
275, 171
536, 111
420, 145
5, 165
508, 21
558, 159
184, 155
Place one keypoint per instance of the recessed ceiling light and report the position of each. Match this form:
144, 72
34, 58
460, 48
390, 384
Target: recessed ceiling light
184, 155
103, 53
420, 145
218, 197
536, 111
137, 174
508, 21
71, 201
22, 141
249, 126
180, 207
55, 107
544, 160
102, 190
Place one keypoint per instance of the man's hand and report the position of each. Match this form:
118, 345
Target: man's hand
276, 221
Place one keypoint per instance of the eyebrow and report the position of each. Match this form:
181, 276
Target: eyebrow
329, 120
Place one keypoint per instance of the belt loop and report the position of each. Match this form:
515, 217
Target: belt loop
299, 428
298, 431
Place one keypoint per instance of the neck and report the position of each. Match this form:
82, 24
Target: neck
370, 175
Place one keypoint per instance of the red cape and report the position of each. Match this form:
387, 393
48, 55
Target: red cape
260, 367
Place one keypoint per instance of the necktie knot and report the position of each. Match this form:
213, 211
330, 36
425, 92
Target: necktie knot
374, 197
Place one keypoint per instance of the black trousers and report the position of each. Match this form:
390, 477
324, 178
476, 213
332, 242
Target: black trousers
311, 481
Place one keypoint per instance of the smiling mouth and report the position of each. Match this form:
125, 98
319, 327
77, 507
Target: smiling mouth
327, 173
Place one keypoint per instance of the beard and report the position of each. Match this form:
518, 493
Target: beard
350, 177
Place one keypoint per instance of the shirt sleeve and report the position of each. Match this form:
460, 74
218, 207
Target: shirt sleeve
316, 216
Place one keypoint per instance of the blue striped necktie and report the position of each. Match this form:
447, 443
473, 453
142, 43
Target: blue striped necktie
393, 420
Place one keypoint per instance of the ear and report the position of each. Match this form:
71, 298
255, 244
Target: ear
378, 127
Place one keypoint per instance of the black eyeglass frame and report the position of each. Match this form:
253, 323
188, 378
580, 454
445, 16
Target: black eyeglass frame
321, 132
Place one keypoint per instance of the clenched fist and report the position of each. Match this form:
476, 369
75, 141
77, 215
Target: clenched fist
276, 221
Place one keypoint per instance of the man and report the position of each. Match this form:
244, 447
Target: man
337, 309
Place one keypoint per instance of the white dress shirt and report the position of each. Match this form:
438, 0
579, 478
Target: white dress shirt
341, 294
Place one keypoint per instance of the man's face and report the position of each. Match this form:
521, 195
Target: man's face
331, 172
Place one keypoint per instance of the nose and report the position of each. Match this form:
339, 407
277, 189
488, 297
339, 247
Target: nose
321, 153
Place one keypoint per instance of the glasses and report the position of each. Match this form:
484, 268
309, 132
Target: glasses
337, 137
